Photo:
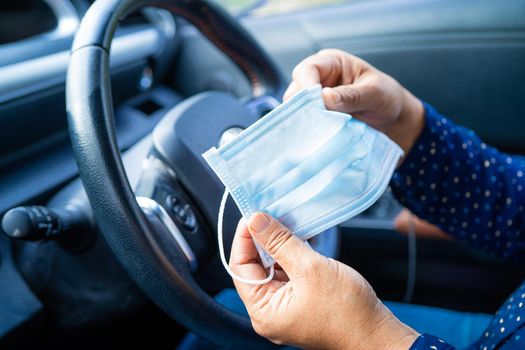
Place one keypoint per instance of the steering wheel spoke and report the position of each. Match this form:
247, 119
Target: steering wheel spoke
163, 199
154, 210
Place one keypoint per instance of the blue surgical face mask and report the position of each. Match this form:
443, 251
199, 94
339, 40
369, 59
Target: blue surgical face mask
306, 166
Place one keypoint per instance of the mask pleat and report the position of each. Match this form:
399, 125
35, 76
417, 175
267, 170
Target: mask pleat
297, 106
352, 183
288, 145
342, 143
321, 180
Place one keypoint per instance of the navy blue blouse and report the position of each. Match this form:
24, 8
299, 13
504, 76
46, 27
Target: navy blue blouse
476, 194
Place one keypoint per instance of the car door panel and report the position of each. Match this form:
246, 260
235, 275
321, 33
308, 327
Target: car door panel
446, 52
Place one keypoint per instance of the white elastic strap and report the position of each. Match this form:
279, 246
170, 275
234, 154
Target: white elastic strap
221, 248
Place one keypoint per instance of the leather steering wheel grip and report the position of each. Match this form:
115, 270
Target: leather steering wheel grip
216, 24
159, 269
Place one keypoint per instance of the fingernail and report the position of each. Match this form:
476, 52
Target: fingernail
259, 222
332, 94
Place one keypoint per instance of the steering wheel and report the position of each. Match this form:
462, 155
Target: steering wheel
160, 253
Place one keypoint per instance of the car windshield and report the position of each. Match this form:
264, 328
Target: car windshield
261, 8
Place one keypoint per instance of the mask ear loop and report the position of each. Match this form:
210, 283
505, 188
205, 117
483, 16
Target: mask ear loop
236, 277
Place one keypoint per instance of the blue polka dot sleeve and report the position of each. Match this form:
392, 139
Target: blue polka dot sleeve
430, 342
475, 193
467, 188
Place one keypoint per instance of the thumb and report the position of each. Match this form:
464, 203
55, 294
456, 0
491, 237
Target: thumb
285, 248
343, 98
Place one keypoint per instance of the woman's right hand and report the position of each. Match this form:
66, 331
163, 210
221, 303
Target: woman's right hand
313, 302
353, 86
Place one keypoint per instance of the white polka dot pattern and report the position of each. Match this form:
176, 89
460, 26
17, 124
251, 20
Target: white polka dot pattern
470, 190
430, 342
475, 193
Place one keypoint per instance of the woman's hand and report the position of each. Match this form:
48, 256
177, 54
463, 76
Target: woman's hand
313, 301
406, 221
353, 86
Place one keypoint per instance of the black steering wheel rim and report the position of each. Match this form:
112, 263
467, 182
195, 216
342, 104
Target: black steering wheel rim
163, 273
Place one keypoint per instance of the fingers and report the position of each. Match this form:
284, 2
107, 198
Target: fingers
344, 98
281, 276
308, 72
286, 249
244, 261
320, 68
244, 258
328, 67
364, 94
293, 88
243, 250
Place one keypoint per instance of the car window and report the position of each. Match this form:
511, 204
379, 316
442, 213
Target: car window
261, 8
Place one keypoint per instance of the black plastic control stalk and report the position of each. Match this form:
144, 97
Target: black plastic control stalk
39, 223
31, 223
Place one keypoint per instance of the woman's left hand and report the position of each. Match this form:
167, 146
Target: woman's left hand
313, 301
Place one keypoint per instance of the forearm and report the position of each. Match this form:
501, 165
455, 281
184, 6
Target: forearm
468, 189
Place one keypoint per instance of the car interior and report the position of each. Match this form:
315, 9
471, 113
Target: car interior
109, 212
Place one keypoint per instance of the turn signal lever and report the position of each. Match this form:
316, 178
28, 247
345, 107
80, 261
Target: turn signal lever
38, 223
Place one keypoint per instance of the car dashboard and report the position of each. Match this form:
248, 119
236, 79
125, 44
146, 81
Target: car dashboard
36, 158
